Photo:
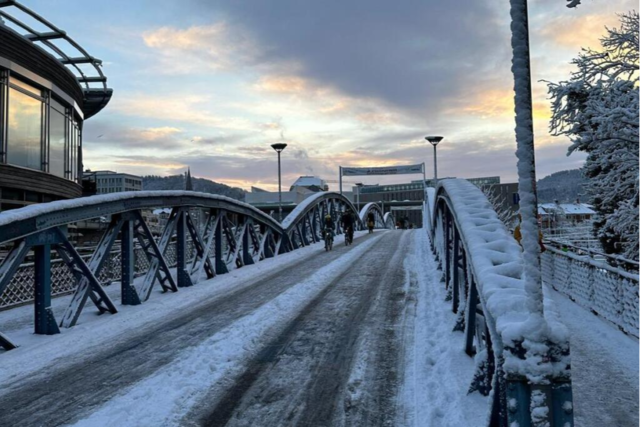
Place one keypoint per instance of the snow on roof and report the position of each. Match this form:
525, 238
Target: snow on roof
577, 208
307, 181
566, 208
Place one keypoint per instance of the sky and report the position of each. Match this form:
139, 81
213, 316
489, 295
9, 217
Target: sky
210, 84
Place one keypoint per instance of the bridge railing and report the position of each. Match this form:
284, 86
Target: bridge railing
204, 236
608, 291
522, 360
20, 289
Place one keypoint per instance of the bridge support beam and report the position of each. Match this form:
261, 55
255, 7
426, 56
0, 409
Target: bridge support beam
45, 322
221, 266
128, 294
184, 280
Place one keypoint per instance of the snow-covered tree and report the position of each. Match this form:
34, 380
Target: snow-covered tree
497, 200
597, 108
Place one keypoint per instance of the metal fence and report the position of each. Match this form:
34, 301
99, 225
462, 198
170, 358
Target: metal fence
21, 288
609, 292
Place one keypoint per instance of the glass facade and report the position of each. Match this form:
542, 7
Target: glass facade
42, 133
24, 134
57, 142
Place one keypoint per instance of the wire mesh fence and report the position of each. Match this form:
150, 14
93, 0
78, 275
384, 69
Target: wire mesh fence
610, 292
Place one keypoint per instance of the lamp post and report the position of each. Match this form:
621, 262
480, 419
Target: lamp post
279, 147
434, 140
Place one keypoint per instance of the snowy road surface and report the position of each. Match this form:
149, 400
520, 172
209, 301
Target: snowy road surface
316, 339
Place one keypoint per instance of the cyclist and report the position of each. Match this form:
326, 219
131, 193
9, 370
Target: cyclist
347, 224
371, 222
329, 228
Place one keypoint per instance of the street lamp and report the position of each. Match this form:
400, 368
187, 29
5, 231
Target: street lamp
358, 185
434, 140
279, 147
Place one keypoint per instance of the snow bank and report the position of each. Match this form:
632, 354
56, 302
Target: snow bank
496, 260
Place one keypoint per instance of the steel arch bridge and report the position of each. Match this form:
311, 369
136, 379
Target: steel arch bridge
227, 234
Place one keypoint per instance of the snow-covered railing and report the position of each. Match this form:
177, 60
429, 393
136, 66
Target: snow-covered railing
522, 360
610, 292
231, 234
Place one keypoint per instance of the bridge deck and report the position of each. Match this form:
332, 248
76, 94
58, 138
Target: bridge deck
310, 337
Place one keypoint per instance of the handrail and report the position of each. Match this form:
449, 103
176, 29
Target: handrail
611, 259
518, 353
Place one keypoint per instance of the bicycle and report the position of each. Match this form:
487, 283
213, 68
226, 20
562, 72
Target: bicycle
328, 239
348, 236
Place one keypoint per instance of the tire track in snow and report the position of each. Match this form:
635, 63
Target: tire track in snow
302, 376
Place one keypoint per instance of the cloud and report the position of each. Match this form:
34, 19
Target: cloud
576, 32
177, 108
199, 49
413, 56
282, 84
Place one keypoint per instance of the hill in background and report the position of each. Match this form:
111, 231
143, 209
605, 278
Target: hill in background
563, 186
176, 182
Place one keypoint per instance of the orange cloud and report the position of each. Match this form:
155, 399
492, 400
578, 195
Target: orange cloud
499, 103
282, 84
216, 46
580, 31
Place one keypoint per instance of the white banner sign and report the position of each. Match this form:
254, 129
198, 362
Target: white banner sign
406, 208
385, 170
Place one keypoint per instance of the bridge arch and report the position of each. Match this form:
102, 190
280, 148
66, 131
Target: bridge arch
226, 234
378, 215
231, 234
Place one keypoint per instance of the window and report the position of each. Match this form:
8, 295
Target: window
57, 142
25, 129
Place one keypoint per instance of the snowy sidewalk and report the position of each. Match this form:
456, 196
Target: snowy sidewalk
604, 368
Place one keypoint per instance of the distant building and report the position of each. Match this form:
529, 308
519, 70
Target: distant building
486, 180
311, 183
396, 196
113, 182
553, 215
269, 199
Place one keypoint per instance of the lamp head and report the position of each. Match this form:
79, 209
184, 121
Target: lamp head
279, 146
434, 140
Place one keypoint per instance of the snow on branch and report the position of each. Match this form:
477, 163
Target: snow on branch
597, 109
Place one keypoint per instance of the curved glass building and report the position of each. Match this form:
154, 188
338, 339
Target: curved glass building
48, 86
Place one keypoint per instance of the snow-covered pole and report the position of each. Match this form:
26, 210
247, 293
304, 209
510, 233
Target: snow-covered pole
521, 69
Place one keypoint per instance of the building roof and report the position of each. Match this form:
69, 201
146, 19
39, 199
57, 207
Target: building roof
53, 42
566, 208
308, 181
